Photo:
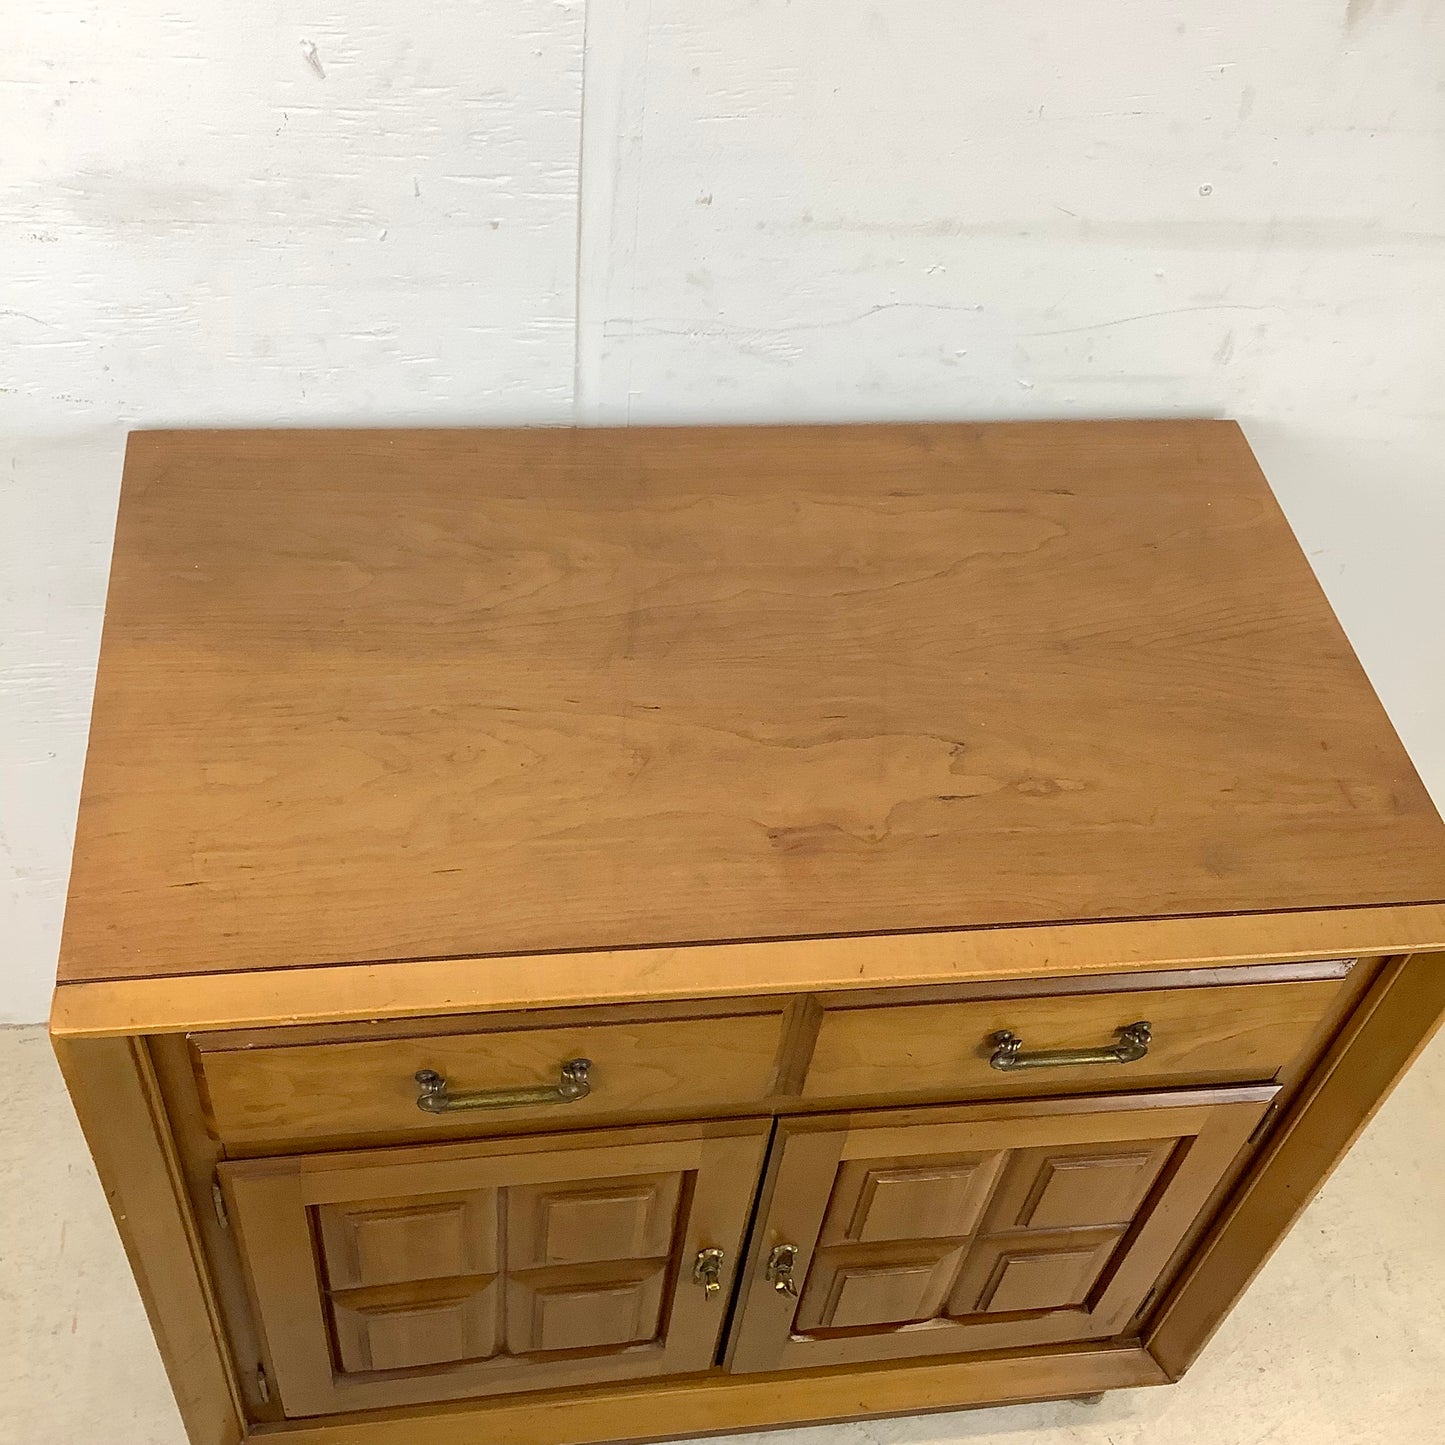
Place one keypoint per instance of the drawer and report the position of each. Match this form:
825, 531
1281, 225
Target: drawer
1234, 1033
271, 1096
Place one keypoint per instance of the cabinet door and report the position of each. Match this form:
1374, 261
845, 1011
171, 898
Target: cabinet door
398, 1276
939, 1231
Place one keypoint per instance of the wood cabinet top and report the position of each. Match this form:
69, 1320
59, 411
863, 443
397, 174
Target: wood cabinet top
389, 695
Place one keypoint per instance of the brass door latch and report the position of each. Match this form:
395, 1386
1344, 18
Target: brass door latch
707, 1271
780, 1269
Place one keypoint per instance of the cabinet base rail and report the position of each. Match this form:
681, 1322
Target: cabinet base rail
718, 1404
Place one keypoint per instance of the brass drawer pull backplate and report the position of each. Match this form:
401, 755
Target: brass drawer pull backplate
571, 1086
1132, 1046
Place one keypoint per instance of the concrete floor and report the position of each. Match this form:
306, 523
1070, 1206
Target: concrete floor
1341, 1340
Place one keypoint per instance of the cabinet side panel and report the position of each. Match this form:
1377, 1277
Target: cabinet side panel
1393, 1023
119, 1107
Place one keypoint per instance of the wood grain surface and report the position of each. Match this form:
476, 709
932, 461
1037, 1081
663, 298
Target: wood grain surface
545, 1246
1199, 1035
373, 992
368, 696
117, 1100
902, 1219
264, 1097
1379, 1042
717, 1403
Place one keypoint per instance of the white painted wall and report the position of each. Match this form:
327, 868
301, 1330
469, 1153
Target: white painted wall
817, 209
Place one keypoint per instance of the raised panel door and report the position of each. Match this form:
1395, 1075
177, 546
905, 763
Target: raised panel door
978, 1227
406, 1275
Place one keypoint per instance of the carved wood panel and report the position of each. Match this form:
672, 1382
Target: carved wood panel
397, 1330
386, 1241
585, 1263
980, 1226
399, 1276
977, 1212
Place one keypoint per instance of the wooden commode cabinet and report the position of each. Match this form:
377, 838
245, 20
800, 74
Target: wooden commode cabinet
590, 936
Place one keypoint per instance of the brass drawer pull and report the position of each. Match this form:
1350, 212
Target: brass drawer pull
1132, 1046
572, 1085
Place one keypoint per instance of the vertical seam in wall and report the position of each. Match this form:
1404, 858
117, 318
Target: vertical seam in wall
577, 241
616, 40
637, 204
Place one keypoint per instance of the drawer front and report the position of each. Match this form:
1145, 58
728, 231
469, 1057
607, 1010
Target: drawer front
1232, 1033
273, 1096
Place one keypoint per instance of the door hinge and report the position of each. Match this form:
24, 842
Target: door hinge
218, 1203
263, 1385
1265, 1121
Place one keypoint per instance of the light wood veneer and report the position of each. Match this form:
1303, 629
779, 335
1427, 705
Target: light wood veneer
429, 694
1203, 1035
668, 1066
774, 771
